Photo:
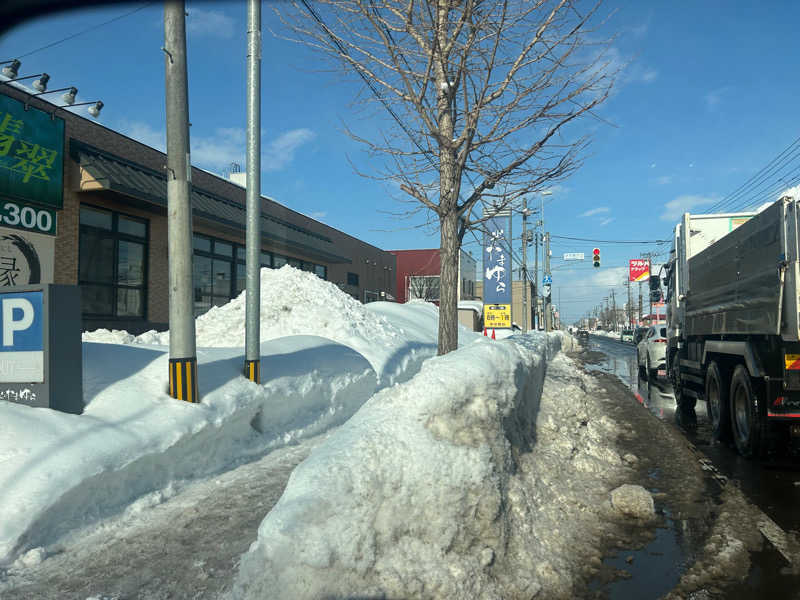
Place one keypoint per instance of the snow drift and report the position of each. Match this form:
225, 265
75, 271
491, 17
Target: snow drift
419, 493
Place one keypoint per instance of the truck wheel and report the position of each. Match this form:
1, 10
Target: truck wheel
717, 404
683, 401
748, 417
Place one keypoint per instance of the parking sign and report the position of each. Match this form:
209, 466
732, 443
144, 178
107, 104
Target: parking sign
22, 340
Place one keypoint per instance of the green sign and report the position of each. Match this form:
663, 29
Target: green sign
29, 218
31, 154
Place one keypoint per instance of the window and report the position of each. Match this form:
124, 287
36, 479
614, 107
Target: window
112, 263
370, 296
352, 279
278, 261
423, 287
321, 271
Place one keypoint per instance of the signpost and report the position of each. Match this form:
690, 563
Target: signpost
639, 269
40, 346
497, 272
573, 256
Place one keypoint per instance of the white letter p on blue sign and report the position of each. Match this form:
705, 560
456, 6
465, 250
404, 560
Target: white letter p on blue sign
10, 324
22, 348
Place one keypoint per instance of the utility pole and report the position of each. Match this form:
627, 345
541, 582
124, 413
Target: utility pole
252, 357
525, 303
640, 302
630, 308
182, 343
548, 318
614, 309
648, 256
536, 315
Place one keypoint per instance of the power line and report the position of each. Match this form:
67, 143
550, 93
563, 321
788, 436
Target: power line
92, 28
562, 237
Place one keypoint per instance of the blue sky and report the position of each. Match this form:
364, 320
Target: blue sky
708, 96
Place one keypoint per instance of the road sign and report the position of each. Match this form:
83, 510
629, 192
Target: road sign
548, 279
573, 256
547, 290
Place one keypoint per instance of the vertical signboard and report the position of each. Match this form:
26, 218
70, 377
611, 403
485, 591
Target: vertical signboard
497, 268
31, 155
639, 269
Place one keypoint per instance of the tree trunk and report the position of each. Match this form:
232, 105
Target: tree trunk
448, 298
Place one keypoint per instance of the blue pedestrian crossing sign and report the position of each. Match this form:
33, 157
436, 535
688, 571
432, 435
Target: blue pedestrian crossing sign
548, 279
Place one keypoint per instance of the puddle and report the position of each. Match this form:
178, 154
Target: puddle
648, 572
767, 578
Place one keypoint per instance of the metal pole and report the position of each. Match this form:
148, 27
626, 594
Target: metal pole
630, 315
182, 349
525, 264
548, 320
536, 316
252, 359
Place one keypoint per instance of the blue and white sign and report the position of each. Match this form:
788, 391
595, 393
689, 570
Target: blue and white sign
497, 261
548, 279
21, 337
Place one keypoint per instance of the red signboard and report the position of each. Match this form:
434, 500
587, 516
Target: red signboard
639, 269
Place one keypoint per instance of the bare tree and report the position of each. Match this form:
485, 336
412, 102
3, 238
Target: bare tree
424, 287
482, 90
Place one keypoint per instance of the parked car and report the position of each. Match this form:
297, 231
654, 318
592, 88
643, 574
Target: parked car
626, 335
583, 336
651, 351
638, 335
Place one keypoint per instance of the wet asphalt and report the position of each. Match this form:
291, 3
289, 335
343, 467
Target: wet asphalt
771, 484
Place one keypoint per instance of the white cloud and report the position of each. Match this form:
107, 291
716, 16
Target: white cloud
595, 211
280, 152
211, 23
649, 75
652, 165
143, 132
714, 97
675, 208
218, 151
605, 222
228, 145
664, 180
320, 214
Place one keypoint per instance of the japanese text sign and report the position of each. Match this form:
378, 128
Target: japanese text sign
31, 154
497, 316
497, 261
639, 269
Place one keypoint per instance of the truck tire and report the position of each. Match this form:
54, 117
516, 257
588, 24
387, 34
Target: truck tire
683, 401
748, 414
717, 405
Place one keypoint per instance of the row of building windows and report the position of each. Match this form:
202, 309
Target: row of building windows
113, 266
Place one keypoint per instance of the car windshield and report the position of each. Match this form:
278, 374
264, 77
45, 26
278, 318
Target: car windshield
663, 332
627, 332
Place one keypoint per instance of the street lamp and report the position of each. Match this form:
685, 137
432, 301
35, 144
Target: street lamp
11, 69
39, 85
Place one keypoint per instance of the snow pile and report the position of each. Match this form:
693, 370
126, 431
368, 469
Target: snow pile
438, 488
60, 471
295, 302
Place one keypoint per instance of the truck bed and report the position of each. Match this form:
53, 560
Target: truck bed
735, 284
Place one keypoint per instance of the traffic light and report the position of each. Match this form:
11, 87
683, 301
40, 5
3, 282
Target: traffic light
596, 257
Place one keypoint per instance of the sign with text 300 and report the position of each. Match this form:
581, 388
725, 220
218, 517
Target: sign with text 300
22, 216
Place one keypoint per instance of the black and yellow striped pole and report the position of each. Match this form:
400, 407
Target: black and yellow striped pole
183, 379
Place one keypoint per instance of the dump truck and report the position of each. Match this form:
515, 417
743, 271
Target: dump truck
732, 322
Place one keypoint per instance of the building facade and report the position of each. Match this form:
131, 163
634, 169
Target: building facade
83, 204
418, 274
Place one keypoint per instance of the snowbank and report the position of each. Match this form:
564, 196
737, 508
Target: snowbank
295, 302
420, 494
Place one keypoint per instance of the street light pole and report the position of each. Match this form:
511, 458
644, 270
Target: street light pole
525, 310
